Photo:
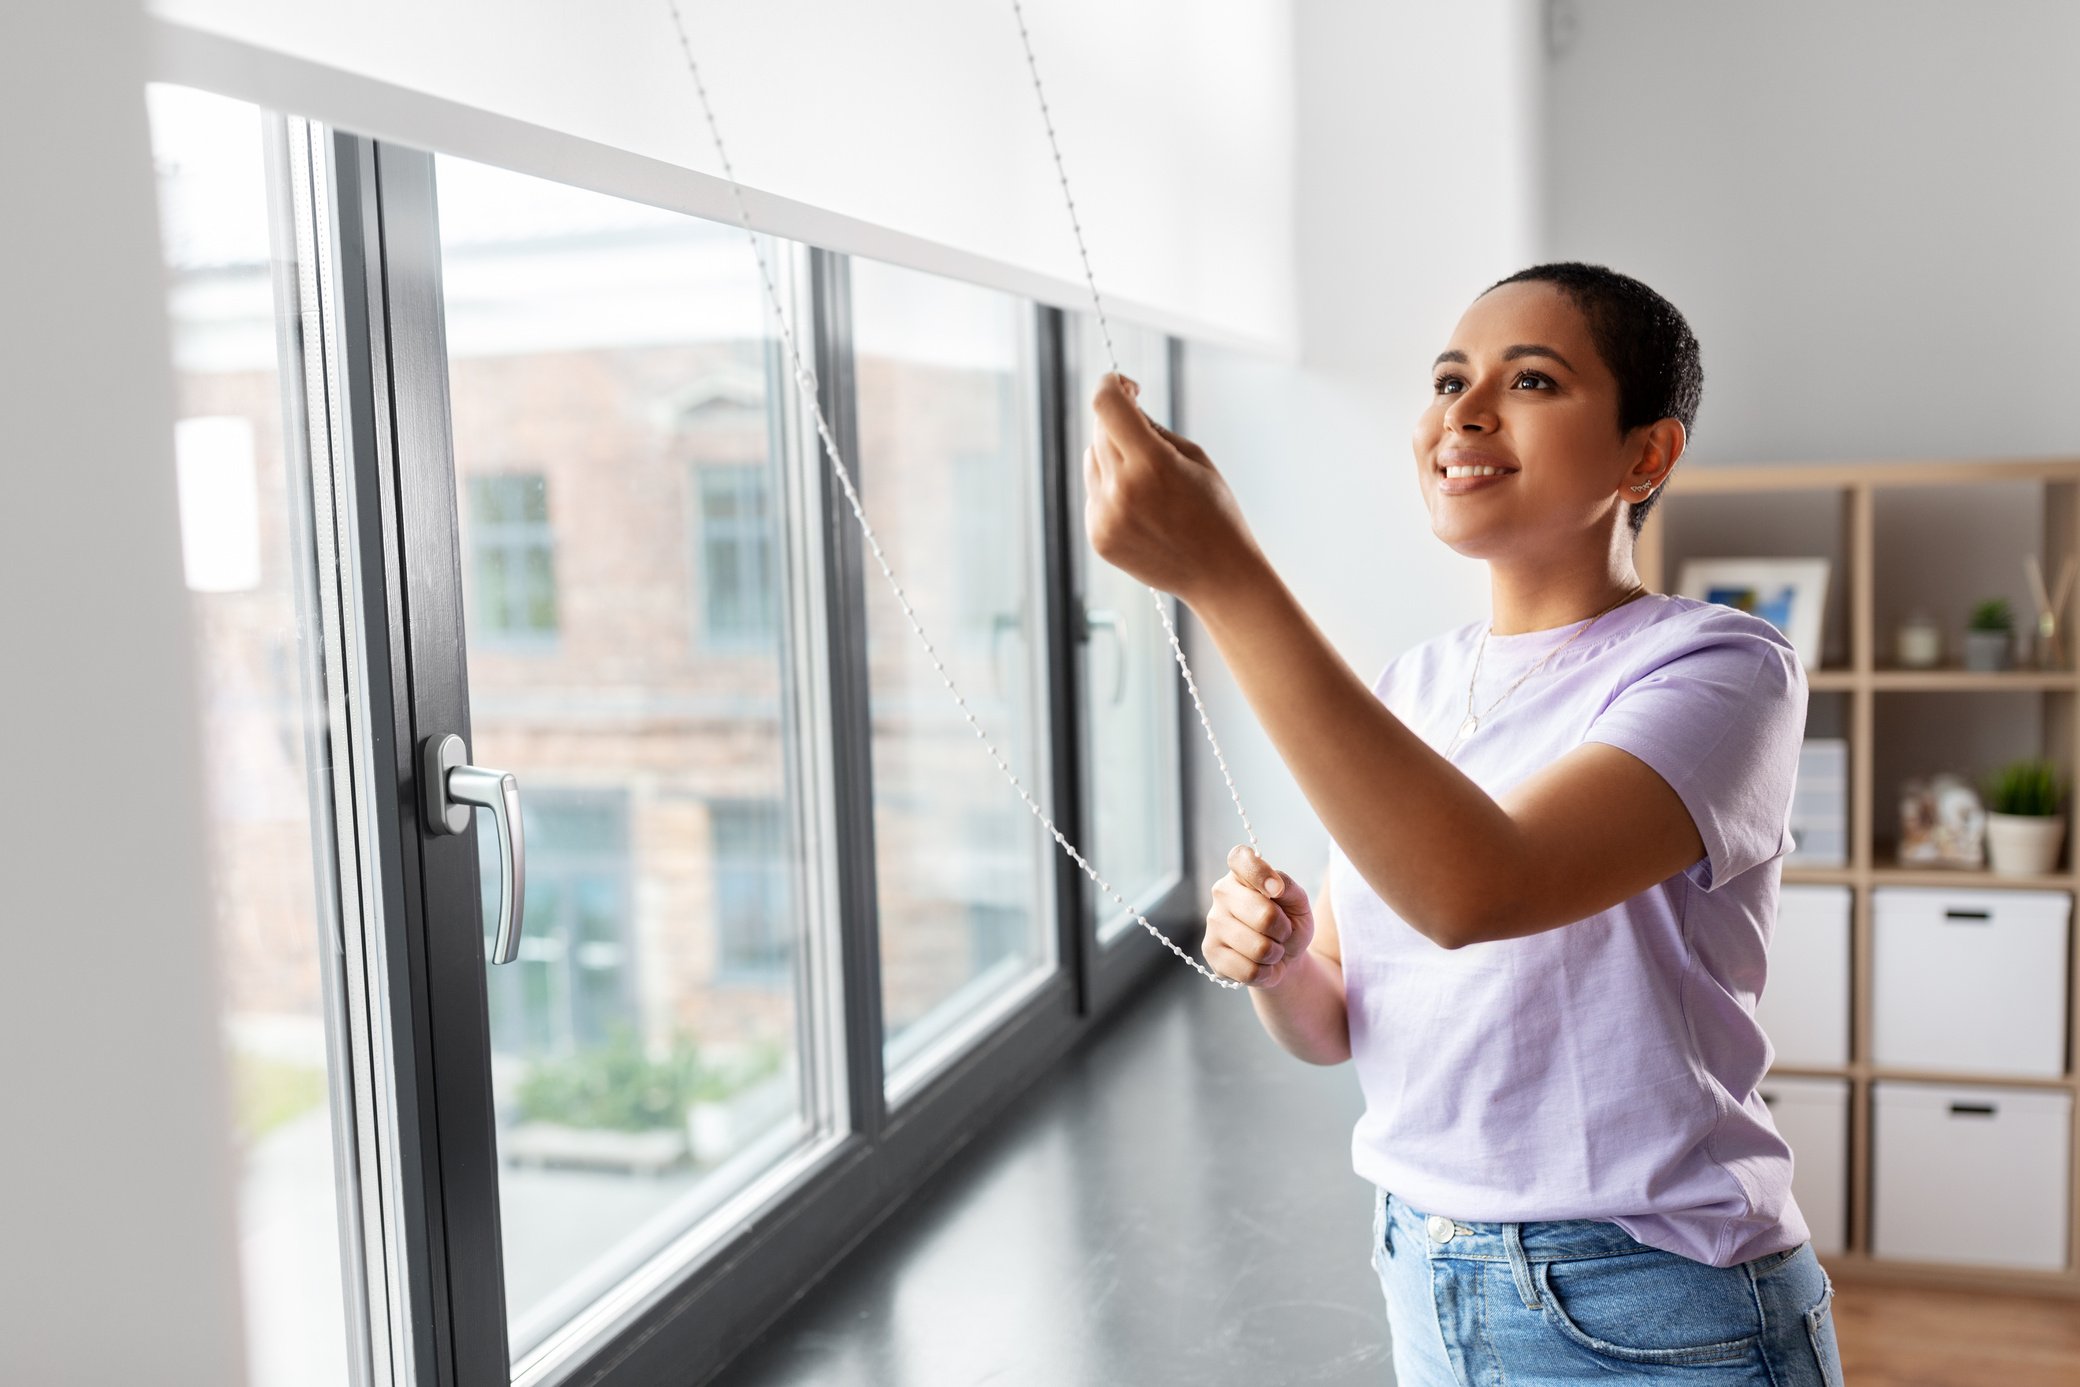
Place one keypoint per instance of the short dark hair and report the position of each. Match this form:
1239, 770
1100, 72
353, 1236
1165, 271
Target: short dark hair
1643, 340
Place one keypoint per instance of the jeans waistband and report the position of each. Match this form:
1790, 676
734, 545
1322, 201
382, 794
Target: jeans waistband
1547, 1240
1524, 1246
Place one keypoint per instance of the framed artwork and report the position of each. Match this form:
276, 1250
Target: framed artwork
1790, 594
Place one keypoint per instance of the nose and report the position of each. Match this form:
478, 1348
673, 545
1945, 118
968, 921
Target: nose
1465, 421
1469, 412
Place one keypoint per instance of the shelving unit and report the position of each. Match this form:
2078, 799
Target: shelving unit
1856, 670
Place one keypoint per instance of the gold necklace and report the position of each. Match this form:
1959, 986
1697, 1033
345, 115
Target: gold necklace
1473, 720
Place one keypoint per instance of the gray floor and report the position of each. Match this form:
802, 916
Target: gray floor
1174, 1205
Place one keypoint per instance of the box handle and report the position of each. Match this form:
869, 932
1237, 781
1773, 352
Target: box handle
1971, 1110
1982, 916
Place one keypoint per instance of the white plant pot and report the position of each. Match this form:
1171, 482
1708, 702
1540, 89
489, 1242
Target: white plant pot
2024, 844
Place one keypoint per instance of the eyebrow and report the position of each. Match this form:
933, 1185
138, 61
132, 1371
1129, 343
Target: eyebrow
1511, 354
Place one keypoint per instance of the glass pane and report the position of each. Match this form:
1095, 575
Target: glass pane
605, 358
948, 472
1131, 680
246, 536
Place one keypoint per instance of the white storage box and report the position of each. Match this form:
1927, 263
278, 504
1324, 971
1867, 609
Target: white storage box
1973, 1175
1970, 981
1813, 1116
1804, 1008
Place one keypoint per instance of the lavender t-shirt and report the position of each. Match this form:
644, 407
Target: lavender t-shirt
1605, 1069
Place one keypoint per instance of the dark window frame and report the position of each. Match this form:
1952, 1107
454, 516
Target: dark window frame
379, 212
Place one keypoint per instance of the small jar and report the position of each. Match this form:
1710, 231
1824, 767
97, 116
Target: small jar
1918, 643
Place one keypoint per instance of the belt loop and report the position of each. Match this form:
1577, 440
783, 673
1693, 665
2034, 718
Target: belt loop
1520, 1265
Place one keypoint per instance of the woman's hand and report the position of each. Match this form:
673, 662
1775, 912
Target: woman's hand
1260, 923
1156, 507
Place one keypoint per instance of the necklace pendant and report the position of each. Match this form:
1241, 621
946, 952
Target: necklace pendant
1468, 727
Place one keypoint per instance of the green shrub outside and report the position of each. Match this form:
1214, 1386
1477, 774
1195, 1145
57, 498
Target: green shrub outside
617, 1087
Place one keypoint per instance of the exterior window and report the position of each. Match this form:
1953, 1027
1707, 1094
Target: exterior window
514, 557
740, 599
753, 912
573, 978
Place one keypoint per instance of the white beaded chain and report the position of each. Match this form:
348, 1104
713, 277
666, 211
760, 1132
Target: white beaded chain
806, 383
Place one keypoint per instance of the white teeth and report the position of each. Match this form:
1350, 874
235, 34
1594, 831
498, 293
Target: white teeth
1475, 471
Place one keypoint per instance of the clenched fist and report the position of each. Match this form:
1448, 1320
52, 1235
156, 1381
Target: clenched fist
1155, 506
1259, 924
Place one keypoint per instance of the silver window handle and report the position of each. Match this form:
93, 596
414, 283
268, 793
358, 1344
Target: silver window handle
1113, 622
451, 788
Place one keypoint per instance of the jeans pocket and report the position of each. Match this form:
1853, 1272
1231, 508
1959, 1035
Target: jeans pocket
1770, 1261
1820, 1329
1652, 1308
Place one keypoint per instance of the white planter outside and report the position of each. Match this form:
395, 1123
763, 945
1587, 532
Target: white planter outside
719, 1130
2024, 844
552, 1143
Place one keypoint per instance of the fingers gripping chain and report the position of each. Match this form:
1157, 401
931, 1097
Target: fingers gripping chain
806, 383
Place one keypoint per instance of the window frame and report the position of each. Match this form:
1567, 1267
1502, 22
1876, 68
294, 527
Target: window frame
377, 207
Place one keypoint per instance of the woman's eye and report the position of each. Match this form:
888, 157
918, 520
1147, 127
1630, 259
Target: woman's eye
1545, 382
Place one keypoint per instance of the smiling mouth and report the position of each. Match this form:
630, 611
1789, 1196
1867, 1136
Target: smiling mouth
1474, 470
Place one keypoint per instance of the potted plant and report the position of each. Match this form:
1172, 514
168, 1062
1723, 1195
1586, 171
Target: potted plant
2024, 824
607, 1105
1988, 635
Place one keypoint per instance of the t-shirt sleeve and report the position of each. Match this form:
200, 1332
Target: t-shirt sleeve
1722, 719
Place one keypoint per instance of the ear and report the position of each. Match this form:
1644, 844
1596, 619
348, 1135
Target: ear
1661, 445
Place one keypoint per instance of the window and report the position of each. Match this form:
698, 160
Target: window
949, 467
514, 558
636, 1087
574, 975
769, 897
740, 599
275, 735
1131, 684
754, 910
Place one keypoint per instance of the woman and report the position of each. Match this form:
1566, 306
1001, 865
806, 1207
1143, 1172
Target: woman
1556, 844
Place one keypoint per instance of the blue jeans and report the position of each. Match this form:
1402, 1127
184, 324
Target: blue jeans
1471, 1304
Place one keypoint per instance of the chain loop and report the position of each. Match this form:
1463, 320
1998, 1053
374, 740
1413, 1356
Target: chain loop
806, 383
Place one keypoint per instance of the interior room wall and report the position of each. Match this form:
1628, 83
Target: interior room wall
1414, 192
1865, 213
1858, 207
120, 1262
1174, 120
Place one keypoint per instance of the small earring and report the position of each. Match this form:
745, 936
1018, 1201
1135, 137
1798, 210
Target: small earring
1644, 486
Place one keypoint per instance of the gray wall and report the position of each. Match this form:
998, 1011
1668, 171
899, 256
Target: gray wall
1413, 192
120, 1263
1866, 209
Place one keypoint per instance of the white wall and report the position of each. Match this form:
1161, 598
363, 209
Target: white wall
1414, 193
917, 116
1867, 211
119, 1262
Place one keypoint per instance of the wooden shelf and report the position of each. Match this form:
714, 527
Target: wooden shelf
1840, 680
1973, 681
1857, 678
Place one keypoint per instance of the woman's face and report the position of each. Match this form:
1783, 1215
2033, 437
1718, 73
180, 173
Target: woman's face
1522, 387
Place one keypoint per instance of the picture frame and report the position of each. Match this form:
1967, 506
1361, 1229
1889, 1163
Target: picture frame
1790, 594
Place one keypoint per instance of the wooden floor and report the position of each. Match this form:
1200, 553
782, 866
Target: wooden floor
1896, 1337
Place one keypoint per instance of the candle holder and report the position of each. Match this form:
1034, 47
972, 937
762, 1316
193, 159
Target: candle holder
2049, 646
